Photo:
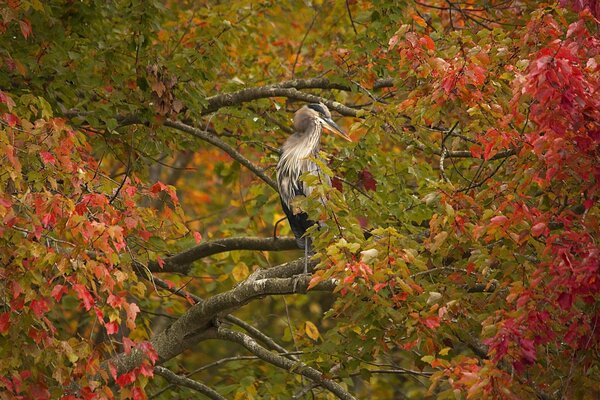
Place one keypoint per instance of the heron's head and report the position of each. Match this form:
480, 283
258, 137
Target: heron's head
317, 113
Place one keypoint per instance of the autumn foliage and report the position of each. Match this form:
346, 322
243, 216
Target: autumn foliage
458, 252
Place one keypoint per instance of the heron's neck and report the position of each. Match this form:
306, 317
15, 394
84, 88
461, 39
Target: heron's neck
301, 146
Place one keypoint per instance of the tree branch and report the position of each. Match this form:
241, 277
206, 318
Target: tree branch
284, 363
258, 335
214, 140
197, 324
187, 382
255, 93
180, 263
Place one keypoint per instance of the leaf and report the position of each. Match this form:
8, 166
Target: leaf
58, 291
111, 327
539, 229
25, 28
311, 330
84, 296
197, 237
39, 307
4, 322
498, 220
240, 272
10, 119
132, 310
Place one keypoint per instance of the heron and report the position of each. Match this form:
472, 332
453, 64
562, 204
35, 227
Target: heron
297, 155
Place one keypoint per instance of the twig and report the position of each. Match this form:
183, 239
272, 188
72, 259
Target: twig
350, 16
282, 362
187, 382
302, 44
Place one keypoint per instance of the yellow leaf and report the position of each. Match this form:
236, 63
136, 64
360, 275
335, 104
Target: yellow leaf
240, 272
444, 351
311, 330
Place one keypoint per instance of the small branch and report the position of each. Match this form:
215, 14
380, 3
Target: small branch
179, 380
257, 334
299, 368
350, 16
312, 23
214, 140
181, 262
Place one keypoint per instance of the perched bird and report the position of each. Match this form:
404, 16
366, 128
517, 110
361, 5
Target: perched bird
295, 160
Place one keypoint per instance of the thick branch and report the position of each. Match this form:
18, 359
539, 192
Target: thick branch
181, 262
255, 93
187, 382
196, 324
282, 362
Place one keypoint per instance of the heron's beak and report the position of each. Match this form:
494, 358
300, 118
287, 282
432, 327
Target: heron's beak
333, 127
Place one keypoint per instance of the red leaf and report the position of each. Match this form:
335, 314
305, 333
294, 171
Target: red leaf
47, 157
588, 203
132, 311
160, 261
111, 327
39, 307
145, 234
427, 42
126, 379
127, 344
114, 301
149, 350
10, 119
138, 394
337, 183
158, 187
379, 286
58, 292
367, 180
4, 322
432, 322
539, 229
25, 28
498, 220
84, 296
197, 237
565, 301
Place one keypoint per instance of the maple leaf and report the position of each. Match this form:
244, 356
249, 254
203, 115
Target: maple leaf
138, 393
132, 310
47, 157
10, 119
4, 322
197, 237
84, 296
25, 26
58, 291
39, 307
367, 180
111, 327
126, 378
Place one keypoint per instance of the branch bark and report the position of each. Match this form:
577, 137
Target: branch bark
180, 263
216, 141
197, 325
187, 382
284, 363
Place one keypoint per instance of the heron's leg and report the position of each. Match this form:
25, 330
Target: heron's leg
306, 258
